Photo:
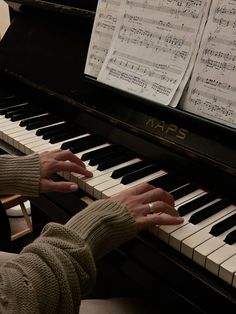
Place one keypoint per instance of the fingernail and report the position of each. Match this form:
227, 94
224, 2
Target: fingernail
74, 187
180, 218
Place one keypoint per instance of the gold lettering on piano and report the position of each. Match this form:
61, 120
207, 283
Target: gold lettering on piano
168, 128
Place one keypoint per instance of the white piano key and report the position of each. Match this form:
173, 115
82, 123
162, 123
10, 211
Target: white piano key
228, 269
101, 176
41, 147
49, 146
121, 187
23, 137
92, 149
79, 178
109, 183
105, 175
8, 125
26, 138
9, 136
219, 256
165, 230
189, 244
98, 190
7, 129
206, 248
189, 196
4, 120
179, 235
13, 132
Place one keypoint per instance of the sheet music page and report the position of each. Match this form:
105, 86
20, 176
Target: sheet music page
212, 90
181, 89
151, 47
103, 29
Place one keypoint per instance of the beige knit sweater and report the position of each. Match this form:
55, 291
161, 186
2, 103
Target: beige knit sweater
56, 270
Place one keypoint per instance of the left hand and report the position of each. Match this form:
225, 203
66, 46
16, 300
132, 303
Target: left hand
60, 160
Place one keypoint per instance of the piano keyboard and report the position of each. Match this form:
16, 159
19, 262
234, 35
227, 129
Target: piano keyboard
208, 234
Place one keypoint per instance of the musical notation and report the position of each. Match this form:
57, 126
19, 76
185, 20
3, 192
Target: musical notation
184, 8
215, 83
103, 29
211, 91
211, 106
147, 31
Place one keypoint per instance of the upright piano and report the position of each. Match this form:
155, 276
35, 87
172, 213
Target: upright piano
46, 102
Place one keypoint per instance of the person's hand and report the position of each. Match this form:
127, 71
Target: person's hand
56, 161
149, 206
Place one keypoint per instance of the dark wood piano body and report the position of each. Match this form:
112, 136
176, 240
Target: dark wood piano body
43, 55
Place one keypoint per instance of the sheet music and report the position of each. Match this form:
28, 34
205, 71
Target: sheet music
212, 90
181, 89
103, 29
151, 47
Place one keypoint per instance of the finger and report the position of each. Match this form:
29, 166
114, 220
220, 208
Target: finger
161, 207
157, 194
61, 186
165, 219
72, 167
141, 188
68, 155
158, 219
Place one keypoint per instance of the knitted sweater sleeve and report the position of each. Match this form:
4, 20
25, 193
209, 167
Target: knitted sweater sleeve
20, 175
57, 269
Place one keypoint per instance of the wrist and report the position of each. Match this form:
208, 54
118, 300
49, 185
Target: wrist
104, 225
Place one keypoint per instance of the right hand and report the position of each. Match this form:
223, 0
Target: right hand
149, 206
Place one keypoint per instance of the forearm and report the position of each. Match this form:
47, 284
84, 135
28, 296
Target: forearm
49, 276
20, 175
58, 268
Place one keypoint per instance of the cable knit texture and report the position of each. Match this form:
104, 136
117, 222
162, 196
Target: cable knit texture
20, 175
56, 270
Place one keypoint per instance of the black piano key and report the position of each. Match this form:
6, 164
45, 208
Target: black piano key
9, 111
209, 211
25, 114
231, 238
25, 122
45, 120
196, 203
72, 143
115, 161
128, 169
223, 225
138, 174
66, 135
48, 131
184, 190
7, 103
5, 95
107, 155
84, 143
169, 182
88, 143
99, 153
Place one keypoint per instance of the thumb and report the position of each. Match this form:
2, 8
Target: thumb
47, 185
